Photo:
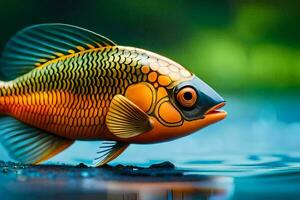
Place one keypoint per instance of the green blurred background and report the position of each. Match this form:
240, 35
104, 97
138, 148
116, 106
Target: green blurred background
235, 46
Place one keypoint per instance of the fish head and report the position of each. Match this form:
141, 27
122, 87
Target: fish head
177, 102
196, 100
187, 107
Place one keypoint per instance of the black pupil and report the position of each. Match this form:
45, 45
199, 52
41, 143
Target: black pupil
187, 96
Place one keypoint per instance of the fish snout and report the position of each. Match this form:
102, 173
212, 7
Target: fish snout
209, 99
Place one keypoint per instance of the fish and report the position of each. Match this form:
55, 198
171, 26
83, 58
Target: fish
62, 83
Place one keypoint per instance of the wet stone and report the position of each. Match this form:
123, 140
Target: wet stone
81, 165
163, 165
119, 166
81, 170
106, 166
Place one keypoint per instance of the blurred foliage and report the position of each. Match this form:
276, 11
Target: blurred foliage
233, 45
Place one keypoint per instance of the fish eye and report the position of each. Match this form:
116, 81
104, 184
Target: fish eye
187, 97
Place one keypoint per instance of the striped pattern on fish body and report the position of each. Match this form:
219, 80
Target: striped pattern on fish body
70, 96
64, 83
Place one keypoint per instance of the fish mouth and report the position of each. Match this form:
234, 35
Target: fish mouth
215, 110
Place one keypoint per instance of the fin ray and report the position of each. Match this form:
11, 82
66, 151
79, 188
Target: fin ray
17, 146
28, 144
124, 119
109, 152
28, 42
39, 44
32, 148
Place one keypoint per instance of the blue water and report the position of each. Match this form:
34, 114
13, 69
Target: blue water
256, 149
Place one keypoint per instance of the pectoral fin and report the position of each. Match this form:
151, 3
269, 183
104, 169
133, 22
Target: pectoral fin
125, 119
109, 151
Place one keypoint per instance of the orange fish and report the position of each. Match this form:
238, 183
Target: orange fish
64, 83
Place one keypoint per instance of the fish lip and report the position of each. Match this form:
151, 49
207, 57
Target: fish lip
214, 110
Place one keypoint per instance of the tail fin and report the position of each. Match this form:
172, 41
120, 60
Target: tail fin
30, 145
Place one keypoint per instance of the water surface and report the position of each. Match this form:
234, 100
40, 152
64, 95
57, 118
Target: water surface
253, 154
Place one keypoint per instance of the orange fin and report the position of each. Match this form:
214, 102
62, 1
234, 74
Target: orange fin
30, 145
109, 151
125, 119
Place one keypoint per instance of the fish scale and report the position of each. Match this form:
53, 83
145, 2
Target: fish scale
92, 79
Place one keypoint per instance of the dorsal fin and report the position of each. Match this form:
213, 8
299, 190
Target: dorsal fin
38, 44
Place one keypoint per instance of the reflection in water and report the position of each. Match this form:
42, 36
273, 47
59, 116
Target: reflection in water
128, 183
258, 176
211, 188
256, 152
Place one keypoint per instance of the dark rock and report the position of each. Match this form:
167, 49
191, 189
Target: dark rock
10, 163
119, 167
81, 165
163, 165
106, 166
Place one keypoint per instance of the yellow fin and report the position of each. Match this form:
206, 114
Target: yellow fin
108, 152
125, 119
30, 145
